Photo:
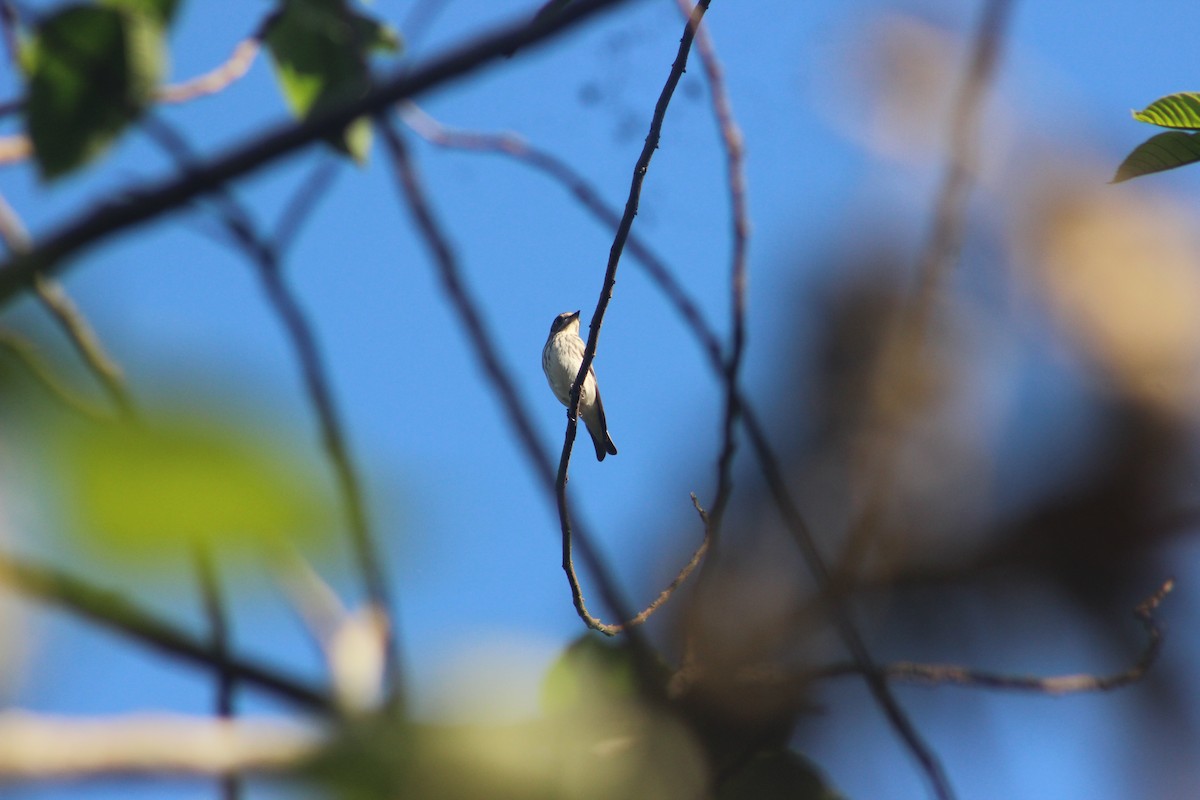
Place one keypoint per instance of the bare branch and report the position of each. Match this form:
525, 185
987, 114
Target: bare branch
139, 205
660, 274
610, 279
475, 328
72, 322
35, 746
25, 352
216, 80
218, 627
904, 349
731, 140
109, 610
955, 675
316, 382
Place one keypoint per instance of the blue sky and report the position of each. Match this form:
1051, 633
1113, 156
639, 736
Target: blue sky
471, 541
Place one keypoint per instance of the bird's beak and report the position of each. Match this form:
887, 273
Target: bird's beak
576, 315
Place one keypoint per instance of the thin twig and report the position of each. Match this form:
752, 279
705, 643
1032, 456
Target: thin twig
316, 382
109, 610
661, 275
139, 205
37, 746
955, 675
469, 313
303, 203
218, 627
25, 352
69, 318
731, 140
216, 80
610, 279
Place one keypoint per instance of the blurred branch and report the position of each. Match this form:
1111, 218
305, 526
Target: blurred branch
116, 613
904, 349
954, 675
731, 139
25, 352
72, 322
218, 626
515, 147
216, 80
302, 204
316, 382
35, 746
495, 372
139, 205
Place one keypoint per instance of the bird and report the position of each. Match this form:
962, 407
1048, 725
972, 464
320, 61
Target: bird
561, 358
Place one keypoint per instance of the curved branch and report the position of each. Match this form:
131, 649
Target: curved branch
955, 675
140, 205
216, 80
610, 279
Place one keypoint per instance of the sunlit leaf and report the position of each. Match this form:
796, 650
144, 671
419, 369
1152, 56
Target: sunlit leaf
161, 11
320, 50
1173, 111
569, 757
1158, 153
777, 775
590, 670
92, 70
148, 491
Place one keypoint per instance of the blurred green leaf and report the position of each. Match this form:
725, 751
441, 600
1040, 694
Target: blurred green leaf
143, 492
161, 11
777, 775
320, 50
590, 671
1158, 153
92, 70
1173, 111
564, 758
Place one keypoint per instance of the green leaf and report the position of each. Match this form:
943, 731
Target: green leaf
161, 11
92, 70
320, 50
590, 671
1158, 153
1173, 111
777, 775
146, 492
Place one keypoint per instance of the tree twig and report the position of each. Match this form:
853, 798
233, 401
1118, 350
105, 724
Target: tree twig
316, 382
109, 610
217, 79
475, 329
956, 675
139, 205
218, 627
72, 322
610, 278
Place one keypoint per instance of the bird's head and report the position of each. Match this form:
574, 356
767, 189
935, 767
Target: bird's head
567, 320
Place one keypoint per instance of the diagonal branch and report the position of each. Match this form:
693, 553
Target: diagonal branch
316, 382
69, 318
140, 205
610, 278
514, 147
107, 609
473, 324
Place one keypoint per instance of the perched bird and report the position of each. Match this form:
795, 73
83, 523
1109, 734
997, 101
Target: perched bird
561, 359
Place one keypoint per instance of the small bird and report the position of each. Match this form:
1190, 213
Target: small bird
561, 359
